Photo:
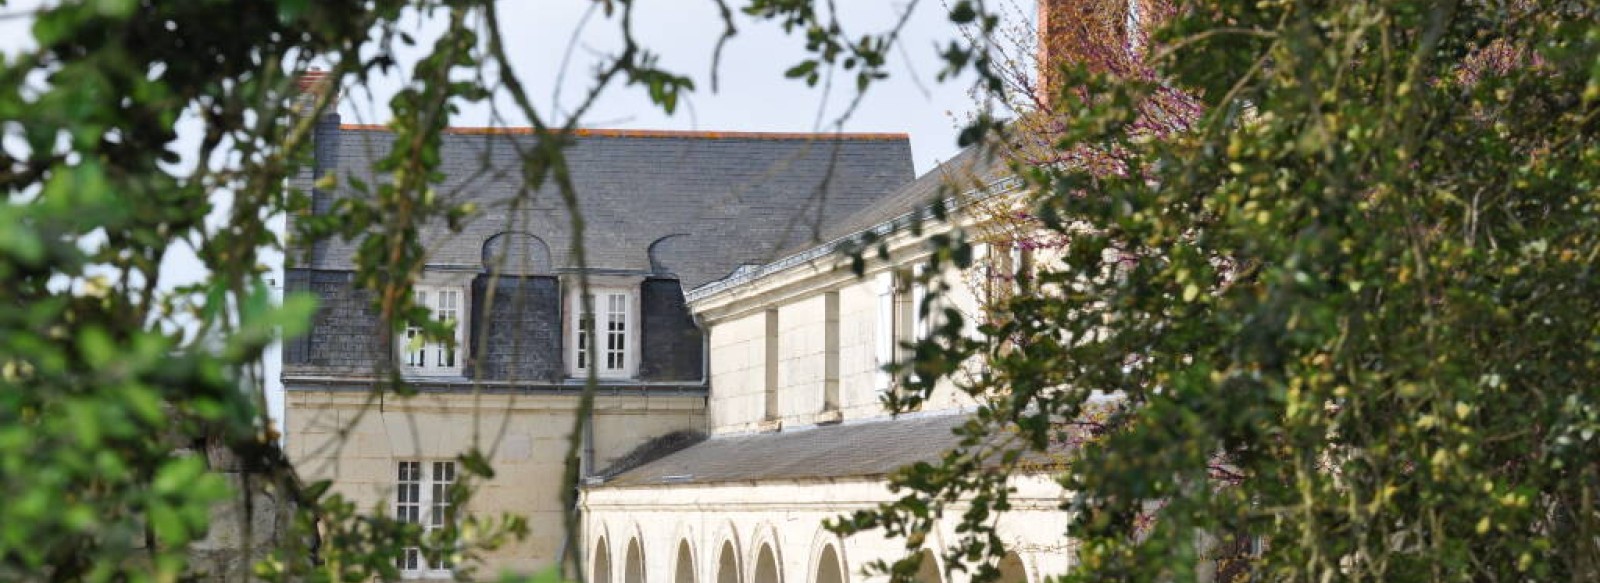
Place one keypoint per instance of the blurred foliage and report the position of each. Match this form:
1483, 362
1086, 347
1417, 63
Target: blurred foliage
1338, 324
121, 396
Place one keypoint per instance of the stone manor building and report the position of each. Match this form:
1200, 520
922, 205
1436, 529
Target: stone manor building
797, 430
740, 359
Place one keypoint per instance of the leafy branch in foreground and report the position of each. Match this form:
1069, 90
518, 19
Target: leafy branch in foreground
119, 390
1345, 319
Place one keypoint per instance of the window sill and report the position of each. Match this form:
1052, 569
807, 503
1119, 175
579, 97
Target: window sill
432, 375
428, 576
603, 379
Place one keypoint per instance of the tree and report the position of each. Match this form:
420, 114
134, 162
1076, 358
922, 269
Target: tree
1344, 313
114, 388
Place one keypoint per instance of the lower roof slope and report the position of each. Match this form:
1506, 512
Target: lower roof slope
866, 449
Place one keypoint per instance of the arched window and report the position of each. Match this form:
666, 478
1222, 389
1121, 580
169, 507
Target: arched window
513, 253
602, 563
684, 573
665, 254
634, 571
727, 564
767, 566
829, 569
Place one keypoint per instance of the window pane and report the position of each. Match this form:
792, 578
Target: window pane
413, 349
407, 491
436, 518
408, 559
444, 474
444, 306
616, 331
584, 323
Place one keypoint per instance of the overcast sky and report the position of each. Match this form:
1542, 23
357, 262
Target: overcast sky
752, 94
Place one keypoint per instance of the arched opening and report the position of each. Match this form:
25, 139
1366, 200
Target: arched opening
513, 253
767, 566
684, 573
829, 570
634, 567
1011, 570
601, 572
928, 569
727, 564
664, 254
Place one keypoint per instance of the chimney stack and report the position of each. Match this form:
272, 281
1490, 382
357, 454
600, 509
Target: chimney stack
312, 84
1104, 36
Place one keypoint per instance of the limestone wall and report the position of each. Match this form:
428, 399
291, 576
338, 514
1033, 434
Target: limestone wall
240, 533
524, 435
739, 356
680, 533
738, 352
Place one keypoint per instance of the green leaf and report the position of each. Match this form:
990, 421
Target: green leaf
97, 348
168, 524
176, 476
803, 69
475, 462
962, 12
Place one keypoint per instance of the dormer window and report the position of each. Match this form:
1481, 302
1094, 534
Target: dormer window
421, 355
612, 350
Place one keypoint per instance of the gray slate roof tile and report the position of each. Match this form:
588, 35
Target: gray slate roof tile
968, 169
740, 198
862, 449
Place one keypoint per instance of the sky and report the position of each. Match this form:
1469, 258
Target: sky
556, 46
751, 94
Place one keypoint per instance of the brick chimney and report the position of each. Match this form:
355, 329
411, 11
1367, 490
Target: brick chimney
325, 139
312, 83
1101, 35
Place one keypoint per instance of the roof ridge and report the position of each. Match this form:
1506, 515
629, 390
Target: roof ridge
628, 133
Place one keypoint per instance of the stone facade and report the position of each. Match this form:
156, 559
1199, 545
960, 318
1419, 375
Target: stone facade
241, 533
723, 534
340, 435
749, 410
799, 435
511, 384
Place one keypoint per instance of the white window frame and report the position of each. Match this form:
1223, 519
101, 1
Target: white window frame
446, 303
422, 497
611, 304
885, 332
921, 322
900, 320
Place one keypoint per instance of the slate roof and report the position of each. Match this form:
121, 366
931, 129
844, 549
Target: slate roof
972, 169
730, 198
863, 449
969, 168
